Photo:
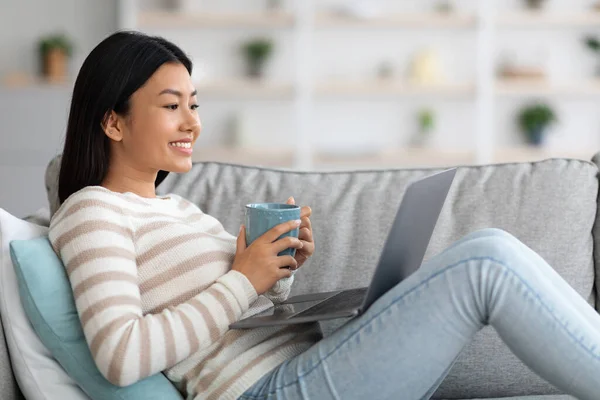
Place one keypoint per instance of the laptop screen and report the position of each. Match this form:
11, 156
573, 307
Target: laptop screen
410, 233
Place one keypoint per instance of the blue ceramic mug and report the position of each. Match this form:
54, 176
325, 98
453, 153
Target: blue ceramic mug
260, 217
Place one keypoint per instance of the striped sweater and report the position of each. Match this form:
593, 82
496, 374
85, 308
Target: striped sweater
154, 290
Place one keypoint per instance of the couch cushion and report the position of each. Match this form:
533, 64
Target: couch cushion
47, 298
38, 374
550, 205
596, 234
51, 182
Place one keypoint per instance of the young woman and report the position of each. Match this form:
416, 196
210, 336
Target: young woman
157, 282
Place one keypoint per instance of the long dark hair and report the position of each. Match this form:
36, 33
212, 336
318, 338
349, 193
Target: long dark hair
110, 74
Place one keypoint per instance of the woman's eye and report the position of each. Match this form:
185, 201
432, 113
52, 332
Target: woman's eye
194, 106
172, 106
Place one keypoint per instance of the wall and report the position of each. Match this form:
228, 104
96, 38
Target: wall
33, 119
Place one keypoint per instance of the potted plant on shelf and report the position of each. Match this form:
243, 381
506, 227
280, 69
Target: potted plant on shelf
256, 52
444, 7
534, 4
593, 43
534, 120
426, 124
274, 5
182, 5
55, 51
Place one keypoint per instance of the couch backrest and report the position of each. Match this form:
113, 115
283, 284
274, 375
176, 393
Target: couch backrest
549, 205
596, 235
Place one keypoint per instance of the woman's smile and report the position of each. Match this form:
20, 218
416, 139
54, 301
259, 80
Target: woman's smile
182, 147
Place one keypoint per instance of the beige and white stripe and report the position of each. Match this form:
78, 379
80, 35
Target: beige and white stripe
154, 291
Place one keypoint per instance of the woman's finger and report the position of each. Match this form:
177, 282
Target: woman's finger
305, 211
308, 248
305, 223
287, 261
286, 242
305, 234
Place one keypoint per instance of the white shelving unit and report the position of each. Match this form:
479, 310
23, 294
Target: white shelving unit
549, 19
170, 19
306, 21
543, 88
413, 20
391, 88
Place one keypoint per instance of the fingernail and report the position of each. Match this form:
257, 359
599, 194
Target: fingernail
297, 222
241, 226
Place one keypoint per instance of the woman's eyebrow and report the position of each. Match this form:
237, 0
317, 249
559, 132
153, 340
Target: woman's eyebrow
177, 92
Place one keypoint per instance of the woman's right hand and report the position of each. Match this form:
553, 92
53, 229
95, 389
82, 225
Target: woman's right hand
260, 263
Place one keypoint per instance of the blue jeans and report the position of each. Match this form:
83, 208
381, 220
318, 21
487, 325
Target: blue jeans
405, 343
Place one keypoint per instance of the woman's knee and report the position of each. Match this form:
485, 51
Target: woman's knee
495, 244
491, 243
489, 232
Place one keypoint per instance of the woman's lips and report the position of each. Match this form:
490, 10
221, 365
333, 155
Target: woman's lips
184, 150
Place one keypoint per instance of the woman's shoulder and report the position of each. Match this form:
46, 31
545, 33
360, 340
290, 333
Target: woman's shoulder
183, 203
92, 198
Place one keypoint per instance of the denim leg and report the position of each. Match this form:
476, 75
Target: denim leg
406, 342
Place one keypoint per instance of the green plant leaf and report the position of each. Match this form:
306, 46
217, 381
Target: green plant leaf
426, 119
536, 116
592, 43
56, 41
257, 50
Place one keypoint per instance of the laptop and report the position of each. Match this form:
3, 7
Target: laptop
402, 254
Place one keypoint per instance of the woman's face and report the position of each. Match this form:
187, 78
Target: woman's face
162, 126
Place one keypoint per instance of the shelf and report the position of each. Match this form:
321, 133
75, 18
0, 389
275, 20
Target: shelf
421, 20
394, 158
23, 80
516, 87
545, 19
170, 19
177, 19
525, 153
245, 88
246, 156
391, 88
391, 158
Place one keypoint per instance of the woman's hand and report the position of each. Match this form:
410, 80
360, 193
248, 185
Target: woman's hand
305, 235
260, 263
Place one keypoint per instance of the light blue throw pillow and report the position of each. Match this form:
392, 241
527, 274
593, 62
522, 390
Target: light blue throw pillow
48, 302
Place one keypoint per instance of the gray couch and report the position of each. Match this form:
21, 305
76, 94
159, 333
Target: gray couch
550, 205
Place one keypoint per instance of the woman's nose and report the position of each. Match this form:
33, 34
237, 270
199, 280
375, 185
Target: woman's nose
192, 123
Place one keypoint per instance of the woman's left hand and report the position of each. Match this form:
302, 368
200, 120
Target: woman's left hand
305, 235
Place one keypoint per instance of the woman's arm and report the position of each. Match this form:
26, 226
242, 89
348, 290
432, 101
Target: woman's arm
95, 241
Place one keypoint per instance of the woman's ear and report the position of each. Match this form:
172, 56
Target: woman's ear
113, 126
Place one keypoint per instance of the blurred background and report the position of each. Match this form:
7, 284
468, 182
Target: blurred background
323, 84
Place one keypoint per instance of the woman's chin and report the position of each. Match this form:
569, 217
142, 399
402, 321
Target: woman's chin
181, 167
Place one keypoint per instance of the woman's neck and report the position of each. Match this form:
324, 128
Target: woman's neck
124, 184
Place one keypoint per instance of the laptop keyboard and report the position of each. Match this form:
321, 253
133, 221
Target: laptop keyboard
348, 299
